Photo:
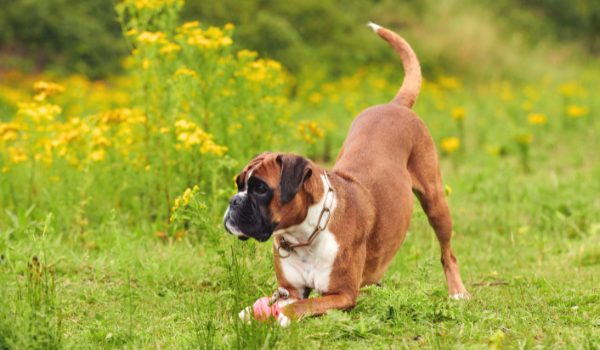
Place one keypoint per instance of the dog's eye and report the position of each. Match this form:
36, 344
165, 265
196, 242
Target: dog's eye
260, 189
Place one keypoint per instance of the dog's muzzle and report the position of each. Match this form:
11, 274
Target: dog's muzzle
230, 225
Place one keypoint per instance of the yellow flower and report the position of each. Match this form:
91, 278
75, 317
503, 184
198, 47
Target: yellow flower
450, 144
17, 155
229, 26
164, 130
186, 196
448, 190
567, 89
576, 111
149, 37
184, 71
459, 113
147, 167
9, 136
98, 155
170, 47
196, 188
448, 82
131, 32
315, 98
225, 41
5, 169
536, 118
247, 54
48, 89
527, 106
145, 63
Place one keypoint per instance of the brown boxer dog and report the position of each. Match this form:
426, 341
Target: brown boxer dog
338, 230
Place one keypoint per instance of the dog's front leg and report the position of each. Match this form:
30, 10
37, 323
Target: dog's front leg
319, 306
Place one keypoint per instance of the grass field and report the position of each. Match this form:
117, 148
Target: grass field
112, 195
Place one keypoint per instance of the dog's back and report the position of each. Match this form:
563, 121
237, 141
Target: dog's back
389, 151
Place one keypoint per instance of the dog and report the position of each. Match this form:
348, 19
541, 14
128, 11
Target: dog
338, 230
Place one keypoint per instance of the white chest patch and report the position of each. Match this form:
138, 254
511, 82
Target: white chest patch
310, 266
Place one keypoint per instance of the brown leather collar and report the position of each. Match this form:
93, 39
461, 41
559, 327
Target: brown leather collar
290, 247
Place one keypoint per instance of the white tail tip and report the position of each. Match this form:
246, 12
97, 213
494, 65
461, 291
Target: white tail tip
373, 26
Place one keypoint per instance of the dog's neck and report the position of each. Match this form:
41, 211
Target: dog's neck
301, 233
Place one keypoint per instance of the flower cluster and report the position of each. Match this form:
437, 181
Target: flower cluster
308, 129
184, 199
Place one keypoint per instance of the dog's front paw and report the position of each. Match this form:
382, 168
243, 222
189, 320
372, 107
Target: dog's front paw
245, 315
283, 320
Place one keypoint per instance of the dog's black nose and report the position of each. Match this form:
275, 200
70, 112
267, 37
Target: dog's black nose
235, 201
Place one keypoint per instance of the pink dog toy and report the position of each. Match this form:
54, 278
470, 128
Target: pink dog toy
262, 310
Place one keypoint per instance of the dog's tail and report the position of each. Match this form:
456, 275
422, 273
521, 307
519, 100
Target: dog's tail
407, 96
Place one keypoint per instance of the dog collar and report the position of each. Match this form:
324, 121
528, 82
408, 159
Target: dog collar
326, 209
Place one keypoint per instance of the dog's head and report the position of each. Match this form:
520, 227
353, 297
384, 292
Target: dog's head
275, 191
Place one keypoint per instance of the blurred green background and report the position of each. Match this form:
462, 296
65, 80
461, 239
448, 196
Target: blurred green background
507, 39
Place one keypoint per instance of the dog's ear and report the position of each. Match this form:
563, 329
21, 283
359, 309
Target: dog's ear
294, 171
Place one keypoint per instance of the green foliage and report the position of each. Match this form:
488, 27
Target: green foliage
64, 36
68, 36
30, 312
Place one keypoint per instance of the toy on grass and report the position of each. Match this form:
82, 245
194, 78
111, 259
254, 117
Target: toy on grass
265, 307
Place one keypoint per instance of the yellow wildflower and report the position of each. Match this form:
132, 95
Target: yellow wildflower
17, 155
5, 169
145, 63
247, 54
450, 144
229, 26
149, 37
170, 47
567, 89
9, 136
184, 71
190, 25
45, 89
315, 98
459, 113
164, 130
448, 82
98, 155
225, 41
576, 111
536, 118
448, 190
131, 32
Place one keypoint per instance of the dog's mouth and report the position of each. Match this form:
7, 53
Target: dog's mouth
230, 227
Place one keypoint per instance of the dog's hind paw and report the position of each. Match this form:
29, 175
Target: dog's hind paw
460, 296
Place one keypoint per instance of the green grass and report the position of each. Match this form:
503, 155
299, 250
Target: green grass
538, 232
90, 260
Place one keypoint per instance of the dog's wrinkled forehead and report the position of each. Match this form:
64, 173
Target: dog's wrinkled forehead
264, 166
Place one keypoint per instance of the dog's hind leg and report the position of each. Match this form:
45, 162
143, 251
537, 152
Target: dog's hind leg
427, 185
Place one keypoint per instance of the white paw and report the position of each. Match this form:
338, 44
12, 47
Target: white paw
246, 315
283, 320
460, 296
